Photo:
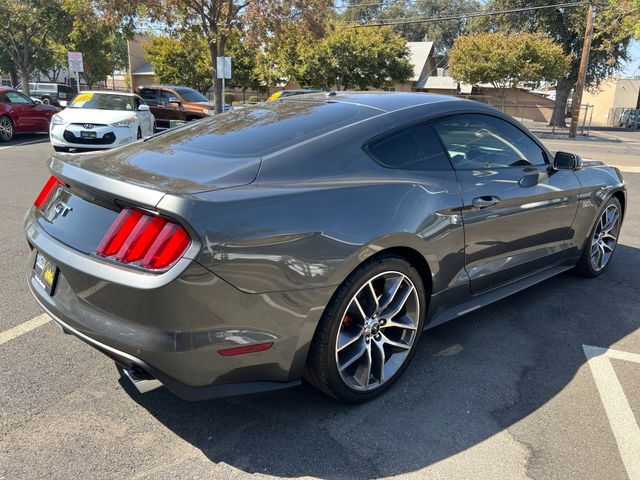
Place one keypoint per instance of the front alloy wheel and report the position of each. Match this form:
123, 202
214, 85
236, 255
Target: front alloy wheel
605, 237
603, 240
6, 129
369, 330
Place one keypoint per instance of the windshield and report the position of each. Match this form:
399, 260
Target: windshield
102, 101
191, 95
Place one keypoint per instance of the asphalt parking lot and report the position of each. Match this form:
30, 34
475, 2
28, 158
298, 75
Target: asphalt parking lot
505, 392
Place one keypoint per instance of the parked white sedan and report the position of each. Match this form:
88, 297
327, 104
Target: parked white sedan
99, 120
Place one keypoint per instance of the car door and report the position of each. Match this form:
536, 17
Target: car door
517, 211
24, 113
171, 106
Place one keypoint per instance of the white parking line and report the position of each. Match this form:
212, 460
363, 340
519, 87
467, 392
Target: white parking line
621, 417
23, 328
20, 144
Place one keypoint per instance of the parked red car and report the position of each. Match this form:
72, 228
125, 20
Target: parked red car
20, 114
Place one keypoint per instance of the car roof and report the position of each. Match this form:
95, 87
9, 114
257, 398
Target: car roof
383, 101
164, 86
108, 92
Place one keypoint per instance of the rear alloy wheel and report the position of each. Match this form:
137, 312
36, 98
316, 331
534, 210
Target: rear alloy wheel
6, 129
46, 100
369, 331
603, 240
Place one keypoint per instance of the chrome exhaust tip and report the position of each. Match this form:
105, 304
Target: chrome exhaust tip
144, 383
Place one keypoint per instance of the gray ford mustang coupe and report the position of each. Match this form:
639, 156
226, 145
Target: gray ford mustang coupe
313, 237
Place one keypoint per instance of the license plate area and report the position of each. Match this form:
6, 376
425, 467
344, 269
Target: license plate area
87, 134
45, 273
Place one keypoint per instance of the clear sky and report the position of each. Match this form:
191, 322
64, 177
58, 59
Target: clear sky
633, 65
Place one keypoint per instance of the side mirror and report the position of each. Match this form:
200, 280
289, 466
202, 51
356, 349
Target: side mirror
143, 108
566, 161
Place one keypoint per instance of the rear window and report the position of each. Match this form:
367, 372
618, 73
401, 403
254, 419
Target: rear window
265, 128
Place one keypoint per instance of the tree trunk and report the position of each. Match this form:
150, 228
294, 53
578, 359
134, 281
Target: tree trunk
13, 73
24, 79
563, 90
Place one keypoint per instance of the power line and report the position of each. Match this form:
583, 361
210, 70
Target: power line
459, 16
379, 4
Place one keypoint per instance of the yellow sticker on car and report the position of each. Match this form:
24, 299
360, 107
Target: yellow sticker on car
82, 99
48, 275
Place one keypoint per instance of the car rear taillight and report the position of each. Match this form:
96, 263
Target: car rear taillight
143, 239
46, 191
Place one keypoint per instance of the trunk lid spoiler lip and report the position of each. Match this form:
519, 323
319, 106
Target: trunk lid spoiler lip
118, 189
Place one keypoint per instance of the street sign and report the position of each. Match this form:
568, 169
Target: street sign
75, 61
223, 67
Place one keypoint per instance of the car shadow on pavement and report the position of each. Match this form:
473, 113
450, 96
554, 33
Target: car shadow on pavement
30, 138
470, 379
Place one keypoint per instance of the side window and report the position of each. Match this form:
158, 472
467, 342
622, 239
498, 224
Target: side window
413, 148
149, 94
166, 95
477, 141
16, 97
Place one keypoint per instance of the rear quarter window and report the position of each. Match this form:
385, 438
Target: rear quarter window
413, 148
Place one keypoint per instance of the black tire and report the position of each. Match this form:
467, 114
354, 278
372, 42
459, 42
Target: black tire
139, 136
6, 129
585, 265
322, 368
60, 149
46, 100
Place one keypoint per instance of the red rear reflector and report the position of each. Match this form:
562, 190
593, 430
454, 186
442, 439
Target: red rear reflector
46, 191
259, 347
150, 241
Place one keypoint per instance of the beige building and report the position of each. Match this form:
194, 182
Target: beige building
421, 57
611, 98
140, 70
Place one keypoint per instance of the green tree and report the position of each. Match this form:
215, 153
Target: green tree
219, 20
7, 67
506, 60
185, 60
56, 59
442, 33
353, 58
27, 28
180, 61
95, 37
566, 26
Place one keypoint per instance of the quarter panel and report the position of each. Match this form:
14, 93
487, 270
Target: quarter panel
598, 183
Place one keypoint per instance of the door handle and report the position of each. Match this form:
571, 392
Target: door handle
484, 202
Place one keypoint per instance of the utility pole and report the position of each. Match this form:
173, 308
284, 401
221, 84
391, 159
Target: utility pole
582, 72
